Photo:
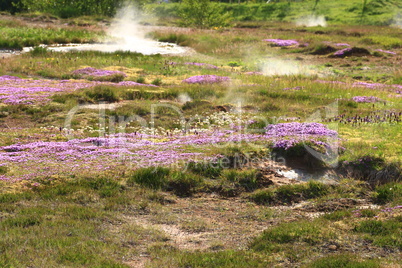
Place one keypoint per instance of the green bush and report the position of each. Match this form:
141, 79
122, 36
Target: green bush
23, 221
102, 93
376, 227
264, 197
343, 260
337, 215
183, 184
209, 169
388, 193
291, 232
291, 193
154, 178
203, 14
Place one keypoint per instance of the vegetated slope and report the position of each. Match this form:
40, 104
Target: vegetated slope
375, 12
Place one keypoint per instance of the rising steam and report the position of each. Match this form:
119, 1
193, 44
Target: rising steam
398, 21
127, 34
276, 66
311, 21
184, 97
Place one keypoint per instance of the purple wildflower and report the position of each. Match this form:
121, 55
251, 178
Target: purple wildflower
386, 51
367, 99
92, 72
282, 43
342, 52
206, 79
342, 45
210, 66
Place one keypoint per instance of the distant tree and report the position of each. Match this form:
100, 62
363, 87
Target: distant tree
72, 8
11, 6
203, 14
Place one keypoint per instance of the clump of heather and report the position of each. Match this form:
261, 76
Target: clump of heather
89, 71
342, 45
206, 79
374, 117
98, 74
15, 90
210, 66
288, 135
282, 43
378, 86
253, 73
293, 88
386, 51
342, 52
366, 99
366, 162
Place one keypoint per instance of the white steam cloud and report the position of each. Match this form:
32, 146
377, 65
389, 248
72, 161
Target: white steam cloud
311, 21
184, 97
126, 30
128, 35
398, 21
276, 66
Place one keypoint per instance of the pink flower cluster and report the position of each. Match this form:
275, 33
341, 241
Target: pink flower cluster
93, 72
15, 90
386, 51
206, 79
282, 43
342, 52
367, 99
342, 45
134, 150
210, 66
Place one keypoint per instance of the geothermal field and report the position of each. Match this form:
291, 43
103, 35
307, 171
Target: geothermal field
201, 134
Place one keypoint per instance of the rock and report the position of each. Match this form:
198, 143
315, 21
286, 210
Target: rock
332, 247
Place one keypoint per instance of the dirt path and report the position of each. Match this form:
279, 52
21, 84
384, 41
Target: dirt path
209, 223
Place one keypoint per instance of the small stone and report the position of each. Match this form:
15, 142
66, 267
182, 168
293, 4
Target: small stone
332, 247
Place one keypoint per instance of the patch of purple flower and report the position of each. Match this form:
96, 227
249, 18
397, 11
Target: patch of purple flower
135, 150
210, 66
93, 72
287, 135
386, 51
282, 43
342, 52
206, 79
14, 90
293, 88
342, 45
367, 99
299, 129
254, 73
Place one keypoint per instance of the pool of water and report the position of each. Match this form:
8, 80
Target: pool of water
146, 47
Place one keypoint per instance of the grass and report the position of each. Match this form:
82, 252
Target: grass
17, 36
122, 217
288, 194
336, 12
343, 260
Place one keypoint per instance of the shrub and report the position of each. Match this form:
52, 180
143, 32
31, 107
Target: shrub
343, 260
265, 197
388, 193
183, 184
203, 14
3, 170
375, 227
39, 51
286, 194
209, 169
337, 215
300, 231
154, 178
102, 93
